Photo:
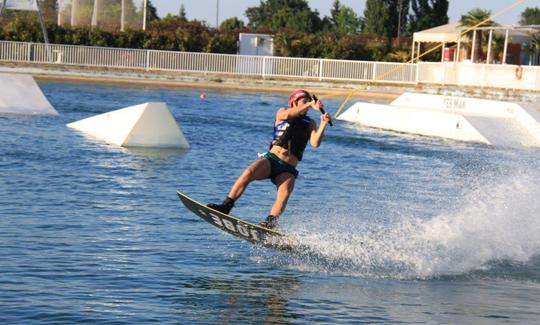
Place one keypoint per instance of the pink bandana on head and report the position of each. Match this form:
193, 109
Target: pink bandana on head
296, 95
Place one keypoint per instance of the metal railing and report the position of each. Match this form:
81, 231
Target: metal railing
445, 73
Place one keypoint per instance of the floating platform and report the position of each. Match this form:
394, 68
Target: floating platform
21, 95
149, 125
459, 118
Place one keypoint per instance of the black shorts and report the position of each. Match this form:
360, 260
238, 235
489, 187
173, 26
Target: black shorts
278, 167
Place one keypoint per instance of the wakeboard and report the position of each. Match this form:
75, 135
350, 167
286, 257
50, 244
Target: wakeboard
238, 227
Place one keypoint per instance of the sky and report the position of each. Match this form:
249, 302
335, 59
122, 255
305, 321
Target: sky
207, 9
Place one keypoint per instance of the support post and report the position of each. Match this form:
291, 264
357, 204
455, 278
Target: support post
442, 51
144, 14
74, 7
320, 69
505, 47
417, 72
59, 15
264, 67
29, 53
123, 16
95, 14
488, 61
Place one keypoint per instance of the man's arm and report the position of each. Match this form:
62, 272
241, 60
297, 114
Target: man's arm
284, 114
317, 134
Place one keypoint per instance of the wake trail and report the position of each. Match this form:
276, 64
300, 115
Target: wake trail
497, 221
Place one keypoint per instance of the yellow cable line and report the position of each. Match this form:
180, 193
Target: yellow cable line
413, 59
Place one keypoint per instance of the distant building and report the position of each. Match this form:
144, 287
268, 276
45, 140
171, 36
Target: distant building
256, 44
253, 46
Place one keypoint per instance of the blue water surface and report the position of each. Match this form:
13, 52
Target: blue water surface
402, 228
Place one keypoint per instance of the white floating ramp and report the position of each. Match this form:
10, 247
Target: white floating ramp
459, 118
149, 125
20, 95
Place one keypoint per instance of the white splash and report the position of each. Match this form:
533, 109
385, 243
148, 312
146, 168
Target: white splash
494, 222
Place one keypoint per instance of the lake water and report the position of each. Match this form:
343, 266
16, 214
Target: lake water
402, 229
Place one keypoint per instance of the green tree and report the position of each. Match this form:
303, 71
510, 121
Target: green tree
151, 12
530, 16
232, 24
343, 19
222, 43
473, 18
295, 15
397, 16
376, 18
427, 14
182, 13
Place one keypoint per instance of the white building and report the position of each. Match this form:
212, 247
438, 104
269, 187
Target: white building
254, 48
256, 44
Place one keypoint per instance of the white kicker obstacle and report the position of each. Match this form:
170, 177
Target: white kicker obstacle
20, 95
146, 125
459, 118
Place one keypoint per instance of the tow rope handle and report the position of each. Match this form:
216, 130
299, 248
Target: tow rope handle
322, 109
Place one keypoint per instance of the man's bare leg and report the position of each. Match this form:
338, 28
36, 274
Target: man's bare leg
285, 187
259, 169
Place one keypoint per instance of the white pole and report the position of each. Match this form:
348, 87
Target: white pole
489, 46
74, 5
144, 14
505, 47
123, 16
59, 15
95, 13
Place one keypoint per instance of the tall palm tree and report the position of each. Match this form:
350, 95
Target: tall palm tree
473, 18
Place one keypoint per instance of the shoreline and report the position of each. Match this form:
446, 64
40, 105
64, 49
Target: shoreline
198, 81
342, 89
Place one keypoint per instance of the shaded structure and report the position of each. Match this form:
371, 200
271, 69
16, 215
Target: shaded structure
514, 39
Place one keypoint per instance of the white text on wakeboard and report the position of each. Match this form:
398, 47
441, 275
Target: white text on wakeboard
234, 228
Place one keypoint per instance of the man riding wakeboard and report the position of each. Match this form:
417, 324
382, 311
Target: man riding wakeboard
292, 131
